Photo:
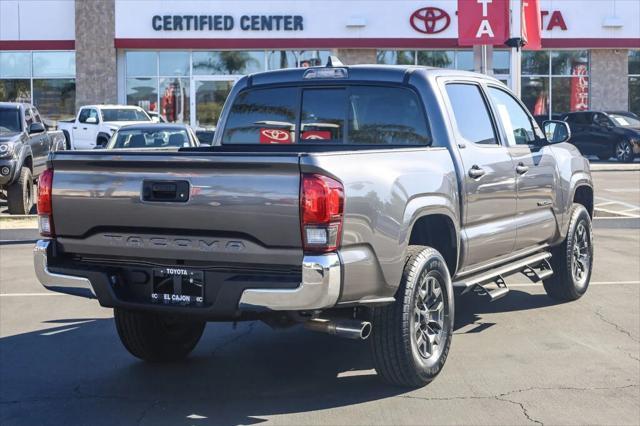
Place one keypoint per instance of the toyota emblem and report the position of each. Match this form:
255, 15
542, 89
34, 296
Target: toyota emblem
275, 134
430, 20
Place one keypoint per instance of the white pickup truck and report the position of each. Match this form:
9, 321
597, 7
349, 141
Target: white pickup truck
94, 124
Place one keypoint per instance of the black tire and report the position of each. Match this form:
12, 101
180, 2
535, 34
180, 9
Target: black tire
567, 284
67, 140
396, 353
624, 152
101, 142
20, 193
157, 338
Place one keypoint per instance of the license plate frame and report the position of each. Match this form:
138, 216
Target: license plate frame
177, 287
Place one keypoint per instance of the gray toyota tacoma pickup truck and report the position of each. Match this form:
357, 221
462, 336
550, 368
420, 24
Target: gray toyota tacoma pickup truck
25, 144
353, 200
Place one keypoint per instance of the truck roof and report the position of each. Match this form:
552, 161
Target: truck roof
381, 73
15, 105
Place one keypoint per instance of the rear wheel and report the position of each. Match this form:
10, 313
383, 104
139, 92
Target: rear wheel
156, 338
411, 337
20, 193
624, 152
572, 261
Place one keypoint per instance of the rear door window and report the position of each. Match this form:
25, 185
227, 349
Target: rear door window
471, 113
352, 115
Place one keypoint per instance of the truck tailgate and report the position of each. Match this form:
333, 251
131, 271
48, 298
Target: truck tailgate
241, 207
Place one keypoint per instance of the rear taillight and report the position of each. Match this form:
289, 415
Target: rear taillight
321, 212
45, 208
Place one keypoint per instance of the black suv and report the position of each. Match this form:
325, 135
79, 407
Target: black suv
605, 134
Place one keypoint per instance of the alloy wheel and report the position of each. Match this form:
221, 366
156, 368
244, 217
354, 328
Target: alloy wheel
623, 151
428, 316
581, 256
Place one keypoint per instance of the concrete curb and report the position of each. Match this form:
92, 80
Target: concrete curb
614, 167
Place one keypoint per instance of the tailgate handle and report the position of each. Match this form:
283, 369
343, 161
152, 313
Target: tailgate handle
171, 191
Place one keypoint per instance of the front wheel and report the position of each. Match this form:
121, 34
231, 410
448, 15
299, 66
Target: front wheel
624, 152
157, 338
572, 261
412, 336
20, 193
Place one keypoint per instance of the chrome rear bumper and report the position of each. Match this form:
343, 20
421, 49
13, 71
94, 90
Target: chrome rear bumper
319, 289
77, 286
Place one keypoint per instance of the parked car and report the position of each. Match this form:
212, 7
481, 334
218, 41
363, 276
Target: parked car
153, 136
94, 124
353, 200
24, 146
205, 136
605, 134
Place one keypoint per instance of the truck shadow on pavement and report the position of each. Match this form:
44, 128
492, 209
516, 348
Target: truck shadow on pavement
78, 373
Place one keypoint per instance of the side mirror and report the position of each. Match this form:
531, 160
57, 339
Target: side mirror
556, 131
91, 120
36, 128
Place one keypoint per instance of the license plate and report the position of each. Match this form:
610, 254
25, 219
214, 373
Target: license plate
178, 286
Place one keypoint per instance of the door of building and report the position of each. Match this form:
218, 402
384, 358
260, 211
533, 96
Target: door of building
208, 94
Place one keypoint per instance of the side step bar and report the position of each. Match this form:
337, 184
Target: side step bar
491, 283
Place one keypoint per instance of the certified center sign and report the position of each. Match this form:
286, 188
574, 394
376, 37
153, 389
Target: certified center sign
430, 20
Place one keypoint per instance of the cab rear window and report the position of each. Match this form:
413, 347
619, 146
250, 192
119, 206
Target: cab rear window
351, 115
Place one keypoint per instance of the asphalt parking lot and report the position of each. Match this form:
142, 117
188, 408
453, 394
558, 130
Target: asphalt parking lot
521, 360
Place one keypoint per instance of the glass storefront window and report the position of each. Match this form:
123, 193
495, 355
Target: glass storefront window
210, 97
555, 82
436, 58
174, 63
15, 90
54, 64
501, 62
228, 62
569, 94
15, 64
535, 62
634, 81
396, 57
280, 59
174, 99
535, 95
143, 92
55, 98
568, 62
634, 94
144, 64
464, 60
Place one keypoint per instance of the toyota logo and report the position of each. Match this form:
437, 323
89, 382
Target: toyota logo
430, 20
275, 134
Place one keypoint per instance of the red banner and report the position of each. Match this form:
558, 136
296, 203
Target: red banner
483, 22
531, 24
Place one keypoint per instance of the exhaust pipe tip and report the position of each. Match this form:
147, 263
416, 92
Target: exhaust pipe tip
350, 329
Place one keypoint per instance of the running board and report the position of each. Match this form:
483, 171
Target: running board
491, 283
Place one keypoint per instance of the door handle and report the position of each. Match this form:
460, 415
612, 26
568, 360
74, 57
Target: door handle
475, 172
84, 128
521, 169
75, 128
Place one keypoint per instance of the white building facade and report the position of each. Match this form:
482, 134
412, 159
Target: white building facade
180, 58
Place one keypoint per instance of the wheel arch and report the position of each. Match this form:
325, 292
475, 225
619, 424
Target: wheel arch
437, 230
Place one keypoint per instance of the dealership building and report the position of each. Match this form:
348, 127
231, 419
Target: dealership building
180, 58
